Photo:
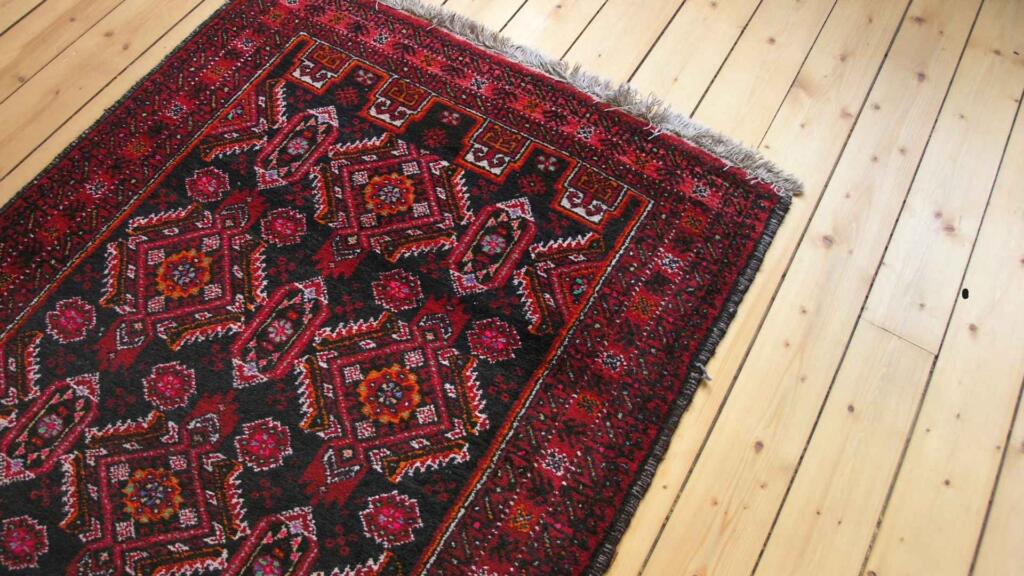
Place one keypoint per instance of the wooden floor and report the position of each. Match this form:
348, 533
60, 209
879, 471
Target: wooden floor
864, 415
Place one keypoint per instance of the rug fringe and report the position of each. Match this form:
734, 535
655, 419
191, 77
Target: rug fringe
622, 97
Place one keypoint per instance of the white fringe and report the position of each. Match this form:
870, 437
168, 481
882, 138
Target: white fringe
623, 97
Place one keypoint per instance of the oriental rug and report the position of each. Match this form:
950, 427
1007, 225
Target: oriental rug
347, 287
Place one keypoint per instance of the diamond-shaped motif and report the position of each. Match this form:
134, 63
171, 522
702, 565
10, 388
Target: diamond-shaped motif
183, 275
385, 196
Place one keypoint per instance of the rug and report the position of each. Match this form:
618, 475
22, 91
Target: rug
348, 287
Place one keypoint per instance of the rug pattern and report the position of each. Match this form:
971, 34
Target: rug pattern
333, 292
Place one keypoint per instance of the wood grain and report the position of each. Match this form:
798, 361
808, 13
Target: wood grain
834, 503
761, 68
491, 13
807, 137
43, 103
827, 522
616, 41
687, 57
84, 117
551, 26
42, 35
13, 10
738, 483
935, 514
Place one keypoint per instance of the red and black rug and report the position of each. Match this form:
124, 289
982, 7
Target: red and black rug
334, 291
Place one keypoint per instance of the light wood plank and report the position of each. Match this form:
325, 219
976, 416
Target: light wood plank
914, 290
762, 66
551, 26
13, 10
44, 102
834, 502
491, 13
726, 509
685, 60
938, 504
806, 137
42, 35
1001, 552
93, 109
827, 521
616, 41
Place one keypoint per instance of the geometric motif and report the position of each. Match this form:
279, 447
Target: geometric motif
495, 149
385, 196
22, 542
587, 193
554, 286
492, 246
391, 518
397, 290
170, 385
283, 227
19, 370
278, 333
281, 544
493, 340
288, 157
207, 184
70, 320
149, 497
389, 395
263, 444
183, 275
48, 428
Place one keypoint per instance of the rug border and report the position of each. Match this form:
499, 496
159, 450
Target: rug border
660, 117
696, 375
649, 108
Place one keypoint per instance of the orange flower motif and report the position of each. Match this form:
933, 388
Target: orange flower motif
389, 194
151, 495
389, 395
183, 274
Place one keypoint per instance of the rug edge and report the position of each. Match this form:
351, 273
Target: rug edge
662, 119
696, 375
649, 108
111, 108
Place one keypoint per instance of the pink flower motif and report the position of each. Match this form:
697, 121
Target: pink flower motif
70, 320
280, 330
283, 227
391, 519
397, 290
49, 426
264, 444
267, 565
22, 542
297, 146
493, 244
170, 386
493, 340
207, 184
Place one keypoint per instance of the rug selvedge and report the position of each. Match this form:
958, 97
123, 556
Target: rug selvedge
362, 299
